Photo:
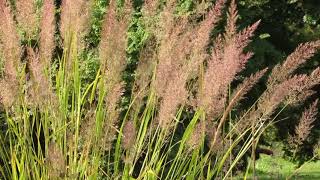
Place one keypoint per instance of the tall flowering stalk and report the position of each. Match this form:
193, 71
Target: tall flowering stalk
10, 42
226, 61
303, 129
113, 62
75, 18
181, 42
11, 52
182, 47
301, 54
129, 135
47, 32
27, 17
40, 91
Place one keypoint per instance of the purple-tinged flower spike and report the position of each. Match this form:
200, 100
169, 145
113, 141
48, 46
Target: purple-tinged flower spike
47, 32
27, 16
301, 54
11, 52
75, 18
306, 123
9, 41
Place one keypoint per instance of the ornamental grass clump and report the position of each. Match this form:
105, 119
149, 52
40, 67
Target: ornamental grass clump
183, 120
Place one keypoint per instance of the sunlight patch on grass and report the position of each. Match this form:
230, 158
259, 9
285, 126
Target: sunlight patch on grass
278, 168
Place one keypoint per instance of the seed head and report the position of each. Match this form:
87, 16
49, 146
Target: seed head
27, 17
47, 32
129, 135
56, 162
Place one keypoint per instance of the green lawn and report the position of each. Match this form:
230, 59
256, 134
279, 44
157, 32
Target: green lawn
268, 167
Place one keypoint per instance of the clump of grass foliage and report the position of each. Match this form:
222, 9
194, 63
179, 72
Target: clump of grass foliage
180, 122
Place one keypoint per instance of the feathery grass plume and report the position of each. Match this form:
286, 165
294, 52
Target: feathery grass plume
180, 41
87, 128
129, 135
283, 88
56, 162
272, 98
243, 89
176, 37
75, 18
143, 74
87, 133
215, 138
147, 63
8, 92
305, 90
167, 33
11, 51
27, 17
301, 54
303, 129
203, 31
10, 41
238, 94
231, 28
112, 51
112, 114
150, 8
182, 47
40, 91
170, 56
114, 41
66, 16
314, 77
197, 136
289, 91
47, 32
173, 92
246, 86
175, 95
228, 58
